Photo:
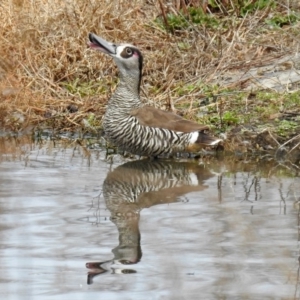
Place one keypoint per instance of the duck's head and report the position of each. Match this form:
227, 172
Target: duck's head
128, 58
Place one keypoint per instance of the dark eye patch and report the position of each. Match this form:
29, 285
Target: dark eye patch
127, 52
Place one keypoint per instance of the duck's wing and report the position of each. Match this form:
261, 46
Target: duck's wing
153, 117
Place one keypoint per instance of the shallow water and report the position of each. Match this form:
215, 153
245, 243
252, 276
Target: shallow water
74, 226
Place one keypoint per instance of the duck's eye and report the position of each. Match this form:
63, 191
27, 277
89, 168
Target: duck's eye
128, 51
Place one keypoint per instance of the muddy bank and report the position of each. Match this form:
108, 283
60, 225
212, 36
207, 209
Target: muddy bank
242, 144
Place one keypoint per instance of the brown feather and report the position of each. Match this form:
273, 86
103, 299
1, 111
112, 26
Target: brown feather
153, 117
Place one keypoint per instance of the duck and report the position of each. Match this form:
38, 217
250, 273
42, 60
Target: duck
136, 127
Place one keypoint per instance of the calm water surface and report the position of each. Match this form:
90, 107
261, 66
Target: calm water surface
75, 226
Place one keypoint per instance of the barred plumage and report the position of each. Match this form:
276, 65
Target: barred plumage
148, 141
133, 182
135, 127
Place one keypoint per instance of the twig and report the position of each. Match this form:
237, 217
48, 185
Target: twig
287, 142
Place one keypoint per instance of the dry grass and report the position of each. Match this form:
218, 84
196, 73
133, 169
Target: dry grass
43, 48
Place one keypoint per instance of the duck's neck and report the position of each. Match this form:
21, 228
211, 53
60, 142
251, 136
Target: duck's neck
130, 81
127, 93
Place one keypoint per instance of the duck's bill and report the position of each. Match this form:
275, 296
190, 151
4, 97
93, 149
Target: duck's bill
97, 43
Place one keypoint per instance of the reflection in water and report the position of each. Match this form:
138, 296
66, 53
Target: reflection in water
237, 238
137, 185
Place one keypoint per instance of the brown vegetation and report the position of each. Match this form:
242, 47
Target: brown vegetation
49, 77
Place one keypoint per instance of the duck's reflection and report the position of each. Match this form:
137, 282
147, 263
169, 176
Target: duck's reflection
137, 185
